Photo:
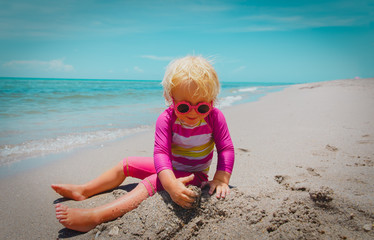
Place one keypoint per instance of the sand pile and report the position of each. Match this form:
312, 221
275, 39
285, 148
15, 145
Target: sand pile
288, 214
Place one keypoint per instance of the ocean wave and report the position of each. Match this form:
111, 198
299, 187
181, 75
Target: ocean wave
250, 89
228, 101
15, 152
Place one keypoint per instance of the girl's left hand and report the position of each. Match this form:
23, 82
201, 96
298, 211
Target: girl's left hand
222, 189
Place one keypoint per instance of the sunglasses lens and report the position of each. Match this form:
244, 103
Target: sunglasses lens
183, 108
203, 108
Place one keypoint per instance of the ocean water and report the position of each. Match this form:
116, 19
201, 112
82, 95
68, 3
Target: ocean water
45, 116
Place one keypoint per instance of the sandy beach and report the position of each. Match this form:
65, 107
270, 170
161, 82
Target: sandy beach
304, 169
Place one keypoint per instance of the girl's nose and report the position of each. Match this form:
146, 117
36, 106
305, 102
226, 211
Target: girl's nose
193, 111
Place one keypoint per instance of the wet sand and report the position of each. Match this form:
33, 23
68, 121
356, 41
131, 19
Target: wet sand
303, 170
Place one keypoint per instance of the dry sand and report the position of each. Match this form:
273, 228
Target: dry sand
303, 170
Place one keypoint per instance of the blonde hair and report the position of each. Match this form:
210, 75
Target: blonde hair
188, 71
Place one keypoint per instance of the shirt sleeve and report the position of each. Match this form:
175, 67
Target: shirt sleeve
222, 138
163, 137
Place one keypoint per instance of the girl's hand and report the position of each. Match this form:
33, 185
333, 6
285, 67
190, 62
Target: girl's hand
180, 194
220, 184
222, 189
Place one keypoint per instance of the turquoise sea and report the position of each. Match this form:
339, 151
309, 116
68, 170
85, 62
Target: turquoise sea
46, 116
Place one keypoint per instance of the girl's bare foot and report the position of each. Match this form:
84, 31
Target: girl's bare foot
70, 191
82, 220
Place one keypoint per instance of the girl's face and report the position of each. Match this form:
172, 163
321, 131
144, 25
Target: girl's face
185, 93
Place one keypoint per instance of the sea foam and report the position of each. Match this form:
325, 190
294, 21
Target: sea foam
251, 89
13, 152
228, 101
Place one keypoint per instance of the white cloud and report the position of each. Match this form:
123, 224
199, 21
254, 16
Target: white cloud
157, 58
330, 21
57, 65
271, 18
138, 69
253, 28
262, 23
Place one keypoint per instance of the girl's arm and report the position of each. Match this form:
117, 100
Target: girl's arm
162, 157
163, 136
176, 188
226, 155
222, 138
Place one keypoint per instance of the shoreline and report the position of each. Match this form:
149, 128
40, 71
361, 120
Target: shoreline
37, 148
32, 163
287, 144
28, 161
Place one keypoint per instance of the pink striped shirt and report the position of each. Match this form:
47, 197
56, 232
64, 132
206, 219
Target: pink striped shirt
190, 149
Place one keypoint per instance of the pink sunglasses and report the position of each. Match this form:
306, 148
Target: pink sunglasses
185, 107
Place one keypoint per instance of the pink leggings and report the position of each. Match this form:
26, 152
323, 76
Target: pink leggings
144, 168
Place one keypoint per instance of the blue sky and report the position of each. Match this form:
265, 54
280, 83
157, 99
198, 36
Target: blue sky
256, 41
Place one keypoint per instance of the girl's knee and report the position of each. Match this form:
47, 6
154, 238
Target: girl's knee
120, 164
138, 167
152, 184
124, 166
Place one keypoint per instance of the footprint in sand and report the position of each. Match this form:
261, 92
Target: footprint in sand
313, 172
243, 150
365, 139
331, 148
364, 163
284, 180
281, 178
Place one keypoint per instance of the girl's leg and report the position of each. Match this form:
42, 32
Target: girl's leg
108, 180
84, 220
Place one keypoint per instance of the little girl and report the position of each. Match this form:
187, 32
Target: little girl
185, 136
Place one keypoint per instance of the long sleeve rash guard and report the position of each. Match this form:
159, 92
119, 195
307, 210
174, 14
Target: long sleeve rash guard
190, 149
